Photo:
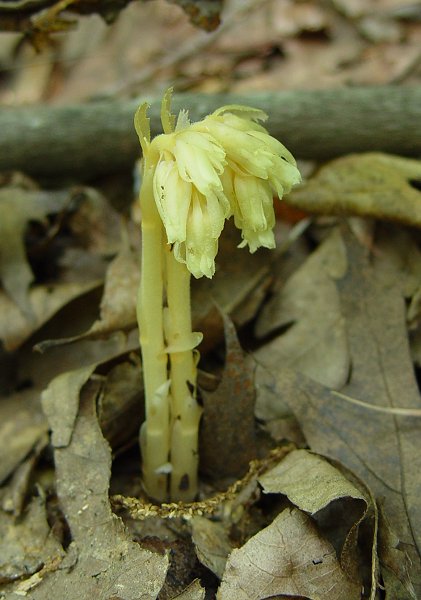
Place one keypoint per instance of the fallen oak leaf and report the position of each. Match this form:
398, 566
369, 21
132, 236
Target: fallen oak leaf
396, 580
62, 414
289, 557
318, 487
382, 186
309, 481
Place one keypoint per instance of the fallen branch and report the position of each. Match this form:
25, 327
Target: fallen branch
95, 138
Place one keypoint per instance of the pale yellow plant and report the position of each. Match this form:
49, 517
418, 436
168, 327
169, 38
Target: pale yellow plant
195, 176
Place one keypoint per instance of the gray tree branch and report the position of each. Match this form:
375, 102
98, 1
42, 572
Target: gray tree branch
91, 139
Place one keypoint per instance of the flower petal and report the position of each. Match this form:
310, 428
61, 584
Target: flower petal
257, 239
172, 197
245, 113
201, 245
255, 202
200, 159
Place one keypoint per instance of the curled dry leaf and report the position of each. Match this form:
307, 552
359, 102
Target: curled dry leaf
93, 224
309, 481
16, 490
317, 487
376, 185
60, 402
121, 409
288, 557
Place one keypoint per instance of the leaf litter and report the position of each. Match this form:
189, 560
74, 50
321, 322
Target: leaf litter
305, 344
381, 449
80, 262
18, 207
323, 523
108, 561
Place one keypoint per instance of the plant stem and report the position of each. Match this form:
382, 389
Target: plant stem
155, 432
185, 412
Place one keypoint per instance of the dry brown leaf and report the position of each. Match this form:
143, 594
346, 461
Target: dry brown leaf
22, 425
212, 544
121, 408
382, 373
95, 225
227, 434
60, 402
400, 255
395, 570
18, 206
237, 289
315, 342
45, 302
26, 545
193, 592
288, 557
309, 481
316, 486
118, 303
15, 491
373, 184
383, 450
104, 559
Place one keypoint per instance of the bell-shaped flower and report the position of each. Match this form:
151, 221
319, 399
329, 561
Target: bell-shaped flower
258, 167
205, 172
189, 195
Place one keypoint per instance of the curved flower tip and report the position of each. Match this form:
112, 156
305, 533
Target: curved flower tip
205, 172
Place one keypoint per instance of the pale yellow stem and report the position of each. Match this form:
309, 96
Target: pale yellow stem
185, 412
155, 432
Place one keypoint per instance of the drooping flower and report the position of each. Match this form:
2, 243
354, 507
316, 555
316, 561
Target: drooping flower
189, 196
205, 172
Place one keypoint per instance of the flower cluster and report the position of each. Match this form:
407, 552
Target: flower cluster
205, 172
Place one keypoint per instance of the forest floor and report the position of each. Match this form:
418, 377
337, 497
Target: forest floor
310, 370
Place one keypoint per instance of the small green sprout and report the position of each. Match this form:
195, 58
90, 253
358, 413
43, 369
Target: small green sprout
195, 176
